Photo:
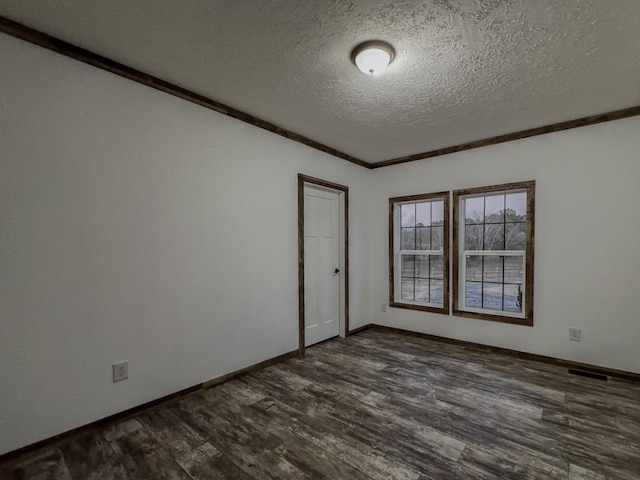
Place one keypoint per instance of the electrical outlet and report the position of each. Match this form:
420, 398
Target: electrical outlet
383, 307
120, 371
575, 334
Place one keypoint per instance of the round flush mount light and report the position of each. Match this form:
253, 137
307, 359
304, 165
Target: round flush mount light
373, 57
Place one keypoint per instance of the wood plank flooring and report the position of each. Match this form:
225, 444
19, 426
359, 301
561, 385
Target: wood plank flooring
379, 406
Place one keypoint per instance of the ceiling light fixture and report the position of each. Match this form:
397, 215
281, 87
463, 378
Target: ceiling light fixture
373, 57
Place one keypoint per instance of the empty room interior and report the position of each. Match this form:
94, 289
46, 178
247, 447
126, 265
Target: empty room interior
320, 240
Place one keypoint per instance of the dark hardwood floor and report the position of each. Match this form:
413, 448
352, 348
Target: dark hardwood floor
378, 405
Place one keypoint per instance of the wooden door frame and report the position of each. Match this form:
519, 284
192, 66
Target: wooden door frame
302, 180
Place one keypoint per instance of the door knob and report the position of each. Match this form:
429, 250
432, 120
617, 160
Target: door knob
336, 271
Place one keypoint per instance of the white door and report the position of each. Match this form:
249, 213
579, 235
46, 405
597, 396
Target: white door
322, 264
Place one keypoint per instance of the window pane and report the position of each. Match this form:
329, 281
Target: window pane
492, 296
423, 214
436, 267
473, 237
422, 290
474, 268
515, 236
422, 238
474, 210
494, 236
514, 269
417, 229
473, 294
484, 282
407, 289
408, 215
516, 207
408, 240
494, 209
437, 213
408, 265
436, 238
495, 220
513, 298
492, 269
436, 294
422, 266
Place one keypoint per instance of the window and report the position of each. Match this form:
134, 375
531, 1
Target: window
493, 253
419, 252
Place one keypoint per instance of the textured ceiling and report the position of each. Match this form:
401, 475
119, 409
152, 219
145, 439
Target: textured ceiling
465, 69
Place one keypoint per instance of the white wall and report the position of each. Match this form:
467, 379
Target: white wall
587, 260
134, 225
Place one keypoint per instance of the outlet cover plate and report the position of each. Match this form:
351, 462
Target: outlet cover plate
575, 334
383, 307
120, 371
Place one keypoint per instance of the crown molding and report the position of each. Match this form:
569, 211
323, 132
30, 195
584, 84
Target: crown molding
67, 49
54, 44
510, 137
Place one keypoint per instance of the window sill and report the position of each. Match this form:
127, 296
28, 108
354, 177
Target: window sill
421, 308
527, 322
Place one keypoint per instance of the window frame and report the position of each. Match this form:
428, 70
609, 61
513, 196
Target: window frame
526, 317
394, 255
